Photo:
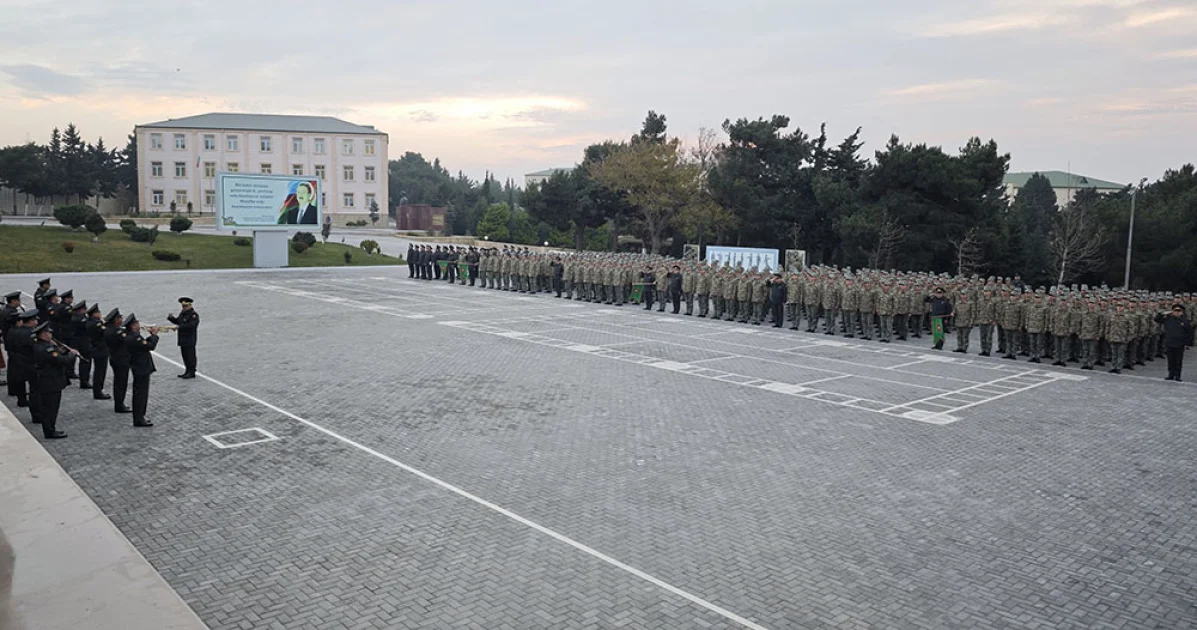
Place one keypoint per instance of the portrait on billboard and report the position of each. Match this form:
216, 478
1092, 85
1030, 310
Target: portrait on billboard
266, 201
299, 208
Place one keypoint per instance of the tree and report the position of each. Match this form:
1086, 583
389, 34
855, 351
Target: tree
79, 169
74, 216
102, 163
969, 255
494, 223
124, 172
1076, 244
654, 178
23, 168
96, 225
180, 224
1031, 219
653, 129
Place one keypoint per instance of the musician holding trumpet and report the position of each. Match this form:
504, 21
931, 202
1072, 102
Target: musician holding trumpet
141, 363
51, 359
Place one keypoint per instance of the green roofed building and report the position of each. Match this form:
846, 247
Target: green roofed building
1065, 184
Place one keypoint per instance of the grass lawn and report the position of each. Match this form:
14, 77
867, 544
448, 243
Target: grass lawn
39, 249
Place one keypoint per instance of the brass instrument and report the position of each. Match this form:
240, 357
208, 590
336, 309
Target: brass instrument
62, 347
166, 328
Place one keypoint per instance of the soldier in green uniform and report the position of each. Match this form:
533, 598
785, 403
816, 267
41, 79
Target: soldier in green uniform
813, 302
986, 318
831, 305
760, 296
1091, 328
1035, 314
1011, 321
966, 315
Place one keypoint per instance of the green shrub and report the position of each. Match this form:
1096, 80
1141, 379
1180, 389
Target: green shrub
241, 241
361, 223
299, 247
127, 225
167, 255
96, 225
144, 235
73, 217
307, 238
178, 225
348, 258
370, 246
68, 246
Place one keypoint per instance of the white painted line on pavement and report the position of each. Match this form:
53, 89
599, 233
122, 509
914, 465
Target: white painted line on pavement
726, 614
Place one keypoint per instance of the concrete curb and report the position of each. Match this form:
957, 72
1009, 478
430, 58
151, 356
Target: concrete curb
74, 569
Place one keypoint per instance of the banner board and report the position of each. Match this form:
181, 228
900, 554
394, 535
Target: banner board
746, 257
263, 202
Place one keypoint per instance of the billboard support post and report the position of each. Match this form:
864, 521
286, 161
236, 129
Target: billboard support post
270, 249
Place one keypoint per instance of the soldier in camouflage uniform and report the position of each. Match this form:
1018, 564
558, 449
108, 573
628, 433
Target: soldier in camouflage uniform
689, 282
718, 278
731, 288
662, 287
986, 318
1059, 325
793, 298
743, 297
850, 307
812, 299
1093, 323
868, 306
1011, 321
966, 315
831, 305
760, 295
702, 289
1118, 333
886, 306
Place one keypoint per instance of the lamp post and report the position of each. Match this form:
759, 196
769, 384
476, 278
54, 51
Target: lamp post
1130, 234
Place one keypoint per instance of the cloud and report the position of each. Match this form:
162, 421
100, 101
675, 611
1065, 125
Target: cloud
1139, 20
40, 81
995, 24
1045, 101
941, 91
1184, 53
479, 112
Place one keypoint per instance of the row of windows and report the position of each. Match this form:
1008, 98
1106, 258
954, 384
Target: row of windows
157, 198
347, 172
265, 144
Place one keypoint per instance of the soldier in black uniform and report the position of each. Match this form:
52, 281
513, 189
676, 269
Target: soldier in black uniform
94, 332
8, 317
411, 260
118, 358
81, 342
188, 323
19, 341
141, 363
60, 323
451, 257
39, 296
49, 302
50, 363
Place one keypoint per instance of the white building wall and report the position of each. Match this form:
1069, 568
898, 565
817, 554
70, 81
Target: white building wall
250, 158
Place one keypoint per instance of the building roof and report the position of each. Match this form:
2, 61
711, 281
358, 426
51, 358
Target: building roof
265, 122
1060, 179
549, 172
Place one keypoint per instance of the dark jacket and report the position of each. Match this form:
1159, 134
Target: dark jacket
19, 343
188, 323
1178, 331
141, 362
648, 277
675, 283
778, 293
558, 269
117, 352
50, 367
60, 321
940, 306
79, 335
95, 337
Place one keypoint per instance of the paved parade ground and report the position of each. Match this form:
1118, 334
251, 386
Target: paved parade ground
367, 451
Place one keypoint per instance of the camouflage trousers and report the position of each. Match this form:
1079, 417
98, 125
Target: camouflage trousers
1118, 354
792, 313
812, 317
915, 325
1089, 352
1012, 336
830, 322
729, 309
743, 310
688, 298
987, 338
850, 323
887, 327
867, 322
758, 313
719, 307
704, 304
1036, 346
662, 298
963, 336
1063, 343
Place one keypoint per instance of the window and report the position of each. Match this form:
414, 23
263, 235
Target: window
155, 169
265, 144
209, 198
369, 200
265, 168
156, 198
347, 173
209, 142
180, 169
369, 173
232, 167
233, 143
180, 197
369, 147
180, 141
297, 169
155, 141
318, 146
297, 145
348, 199
209, 169
320, 172
347, 147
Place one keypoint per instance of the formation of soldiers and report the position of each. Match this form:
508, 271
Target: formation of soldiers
1092, 326
60, 340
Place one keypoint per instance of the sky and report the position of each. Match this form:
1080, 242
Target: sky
1104, 88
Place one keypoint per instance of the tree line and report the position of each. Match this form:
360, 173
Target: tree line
762, 183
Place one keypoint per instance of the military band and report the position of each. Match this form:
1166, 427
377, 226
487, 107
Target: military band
61, 339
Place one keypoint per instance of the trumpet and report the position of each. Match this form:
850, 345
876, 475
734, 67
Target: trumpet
165, 328
62, 347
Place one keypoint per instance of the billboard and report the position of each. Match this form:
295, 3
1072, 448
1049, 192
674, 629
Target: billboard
266, 201
747, 257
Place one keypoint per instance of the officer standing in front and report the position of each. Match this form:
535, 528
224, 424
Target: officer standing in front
118, 358
141, 363
50, 365
188, 323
